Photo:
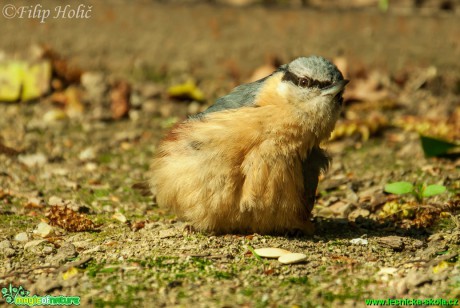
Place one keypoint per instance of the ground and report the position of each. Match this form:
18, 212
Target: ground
55, 151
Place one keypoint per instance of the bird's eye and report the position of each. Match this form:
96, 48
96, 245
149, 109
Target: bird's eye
304, 82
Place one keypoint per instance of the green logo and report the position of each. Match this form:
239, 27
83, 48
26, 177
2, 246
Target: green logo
20, 297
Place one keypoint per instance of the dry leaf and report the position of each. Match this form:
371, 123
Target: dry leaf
70, 220
364, 128
120, 99
441, 127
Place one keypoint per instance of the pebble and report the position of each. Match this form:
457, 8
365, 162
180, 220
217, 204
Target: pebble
270, 252
359, 241
54, 115
90, 167
54, 200
67, 250
43, 229
47, 250
33, 244
6, 248
95, 85
87, 154
291, 258
21, 237
394, 242
5, 244
30, 160
120, 217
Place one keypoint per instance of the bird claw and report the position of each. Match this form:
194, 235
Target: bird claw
189, 229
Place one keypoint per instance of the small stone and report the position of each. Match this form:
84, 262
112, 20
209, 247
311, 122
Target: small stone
43, 229
95, 85
90, 167
47, 250
359, 241
270, 252
67, 250
31, 160
54, 115
6, 248
120, 217
5, 244
33, 201
291, 258
21, 237
33, 244
54, 200
87, 154
394, 242
107, 208
418, 244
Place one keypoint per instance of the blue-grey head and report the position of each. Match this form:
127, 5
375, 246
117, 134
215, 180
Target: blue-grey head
314, 87
310, 79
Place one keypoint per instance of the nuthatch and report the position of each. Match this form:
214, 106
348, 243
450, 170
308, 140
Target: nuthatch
250, 163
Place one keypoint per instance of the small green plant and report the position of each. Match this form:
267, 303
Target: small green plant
419, 191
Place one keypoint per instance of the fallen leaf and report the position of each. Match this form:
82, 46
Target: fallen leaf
36, 80
186, 91
120, 99
22, 80
68, 219
437, 147
71, 272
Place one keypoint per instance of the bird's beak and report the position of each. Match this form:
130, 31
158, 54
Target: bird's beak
335, 88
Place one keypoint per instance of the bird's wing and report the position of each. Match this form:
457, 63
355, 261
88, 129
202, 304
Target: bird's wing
316, 162
242, 96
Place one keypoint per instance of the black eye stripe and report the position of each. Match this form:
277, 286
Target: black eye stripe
305, 82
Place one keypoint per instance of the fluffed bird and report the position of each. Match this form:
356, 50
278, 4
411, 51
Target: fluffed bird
250, 163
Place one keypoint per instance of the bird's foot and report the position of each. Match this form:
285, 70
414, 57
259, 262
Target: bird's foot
189, 229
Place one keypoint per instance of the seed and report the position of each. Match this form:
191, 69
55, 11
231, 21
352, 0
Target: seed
270, 252
291, 258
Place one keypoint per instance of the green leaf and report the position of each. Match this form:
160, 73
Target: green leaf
254, 253
435, 147
399, 188
433, 190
